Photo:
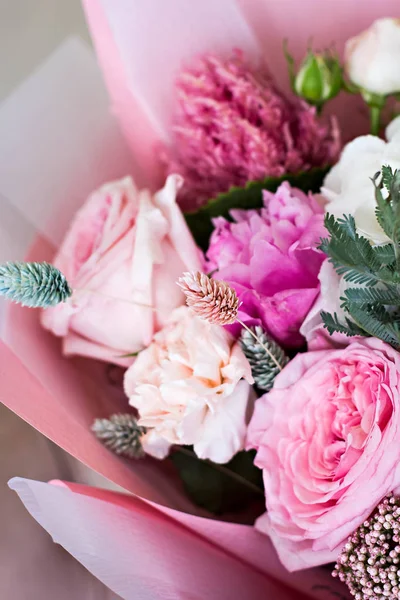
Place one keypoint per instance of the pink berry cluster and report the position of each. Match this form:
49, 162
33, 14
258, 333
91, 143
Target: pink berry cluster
370, 561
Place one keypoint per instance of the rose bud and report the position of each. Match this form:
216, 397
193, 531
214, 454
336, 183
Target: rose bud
319, 78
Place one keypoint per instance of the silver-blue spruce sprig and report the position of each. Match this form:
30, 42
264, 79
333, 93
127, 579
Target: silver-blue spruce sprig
265, 356
121, 434
33, 284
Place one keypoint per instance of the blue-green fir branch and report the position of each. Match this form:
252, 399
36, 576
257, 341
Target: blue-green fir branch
373, 309
33, 284
265, 356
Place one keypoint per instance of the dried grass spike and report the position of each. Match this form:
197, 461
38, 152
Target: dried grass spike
212, 300
121, 434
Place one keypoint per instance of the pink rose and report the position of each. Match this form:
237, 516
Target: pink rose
270, 257
328, 441
188, 389
123, 253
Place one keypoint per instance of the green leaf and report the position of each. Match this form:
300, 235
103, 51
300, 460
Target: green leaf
387, 176
384, 211
373, 323
363, 296
247, 197
219, 488
351, 254
130, 354
333, 325
385, 254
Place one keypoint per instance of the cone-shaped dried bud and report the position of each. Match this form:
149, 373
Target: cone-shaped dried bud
212, 300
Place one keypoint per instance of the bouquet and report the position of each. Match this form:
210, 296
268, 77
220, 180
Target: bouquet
231, 338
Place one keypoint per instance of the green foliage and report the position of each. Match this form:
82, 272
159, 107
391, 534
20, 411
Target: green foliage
248, 197
33, 284
219, 488
261, 357
351, 254
333, 325
373, 308
387, 194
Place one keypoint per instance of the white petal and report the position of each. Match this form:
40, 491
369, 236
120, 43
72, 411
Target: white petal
224, 431
155, 445
393, 130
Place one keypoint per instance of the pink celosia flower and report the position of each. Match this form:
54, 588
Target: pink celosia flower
233, 126
270, 258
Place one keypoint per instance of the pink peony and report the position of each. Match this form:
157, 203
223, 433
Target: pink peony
328, 440
123, 253
270, 257
233, 126
188, 389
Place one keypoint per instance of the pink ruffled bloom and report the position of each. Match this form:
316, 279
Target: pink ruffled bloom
234, 126
270, 257
123, 253
328, 441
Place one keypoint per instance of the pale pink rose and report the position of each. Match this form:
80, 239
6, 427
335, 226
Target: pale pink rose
123, 253
328, 440
191, 386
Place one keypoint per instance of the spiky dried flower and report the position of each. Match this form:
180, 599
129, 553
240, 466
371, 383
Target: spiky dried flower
33, 284
212, 300
121, 434
370, 561
265, 356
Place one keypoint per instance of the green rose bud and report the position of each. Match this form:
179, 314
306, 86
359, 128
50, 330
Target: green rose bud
319, 78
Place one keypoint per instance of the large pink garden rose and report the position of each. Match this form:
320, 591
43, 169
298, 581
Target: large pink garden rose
270, 257
122, 255
328, 441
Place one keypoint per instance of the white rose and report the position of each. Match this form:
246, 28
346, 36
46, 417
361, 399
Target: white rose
191, 386
372, 58
348, 187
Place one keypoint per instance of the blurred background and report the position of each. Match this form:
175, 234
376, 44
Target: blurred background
32, 567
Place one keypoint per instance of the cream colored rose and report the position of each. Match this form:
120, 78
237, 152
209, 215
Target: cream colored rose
191, 386
372, 58
348, 187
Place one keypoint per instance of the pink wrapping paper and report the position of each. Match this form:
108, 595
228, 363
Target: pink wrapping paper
137, 551
75, 147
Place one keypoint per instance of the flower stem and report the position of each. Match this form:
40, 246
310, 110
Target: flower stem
222, 469
260, 342
108, 296
375, 118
